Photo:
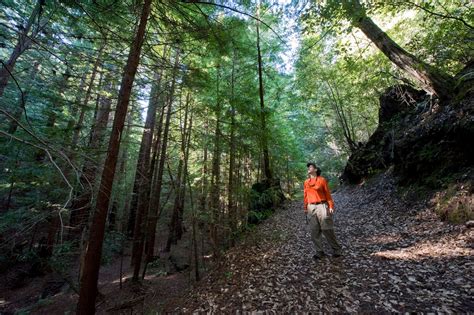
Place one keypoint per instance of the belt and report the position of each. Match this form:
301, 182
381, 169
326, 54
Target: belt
318, 203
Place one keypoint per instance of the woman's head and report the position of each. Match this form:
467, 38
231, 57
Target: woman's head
313, 169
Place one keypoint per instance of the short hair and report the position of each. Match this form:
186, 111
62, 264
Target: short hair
310, 163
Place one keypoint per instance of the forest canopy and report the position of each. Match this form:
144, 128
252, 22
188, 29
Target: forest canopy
146, 120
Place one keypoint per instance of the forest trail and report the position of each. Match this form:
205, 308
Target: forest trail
396, 259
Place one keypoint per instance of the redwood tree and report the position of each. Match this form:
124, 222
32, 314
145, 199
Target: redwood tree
88, 289
432, 80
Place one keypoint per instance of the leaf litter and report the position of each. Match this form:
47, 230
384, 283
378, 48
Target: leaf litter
398, 257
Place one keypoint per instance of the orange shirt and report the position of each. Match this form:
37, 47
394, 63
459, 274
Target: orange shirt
317, 190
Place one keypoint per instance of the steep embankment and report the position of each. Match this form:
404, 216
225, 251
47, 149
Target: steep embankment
398, 257
427, 140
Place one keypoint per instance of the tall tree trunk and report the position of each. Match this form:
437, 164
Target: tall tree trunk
23, 43
142, 175
51, 114
175, 226
203, 195
152, 174
194, 237
154, 210
157, 145
288, 187
181, 229
80, 208
341, 119
77, 100
266, 158
238, 183
122, 191
88, 290
432, 80
232, 219
215, 178
40, 156
83, 106
142, 178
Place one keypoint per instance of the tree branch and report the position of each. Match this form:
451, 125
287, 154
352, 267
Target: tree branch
237, 11
444, 16
71, 189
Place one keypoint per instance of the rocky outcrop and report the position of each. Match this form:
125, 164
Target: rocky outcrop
423, 139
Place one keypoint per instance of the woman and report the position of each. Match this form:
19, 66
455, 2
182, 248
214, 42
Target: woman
319, 209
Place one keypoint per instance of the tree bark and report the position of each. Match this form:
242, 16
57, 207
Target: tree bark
74, 108
432, 80
194, 237
175, 226
88, 290
232, 148
83, 106
23, 43
203, 195
141, 186
266, 158
154, 210
341, 119
80, 208
215, 177
142, 176
181, 228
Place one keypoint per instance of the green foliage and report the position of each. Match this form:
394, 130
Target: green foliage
317, 94
63, 255
257, 216
455, 203
113, 245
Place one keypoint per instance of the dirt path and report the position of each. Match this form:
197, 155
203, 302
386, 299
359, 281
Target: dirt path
397, 258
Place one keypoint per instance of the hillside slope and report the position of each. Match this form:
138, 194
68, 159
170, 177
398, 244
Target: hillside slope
398, 257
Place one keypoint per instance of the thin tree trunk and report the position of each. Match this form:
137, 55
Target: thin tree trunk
83, 106
288, 189
88, 290
155, 205
238, 183
203, 196
266, 158
153, 171
432, 80
23, 43
158, 95
181, 228
175, 226
215, 178
143, 169
96, 107
80, 208
23, 99
341, 119
143, 163
40, 156
122, 191
74, 108
231, 186
194, 237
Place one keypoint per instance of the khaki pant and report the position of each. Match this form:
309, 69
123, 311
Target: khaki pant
321, 222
